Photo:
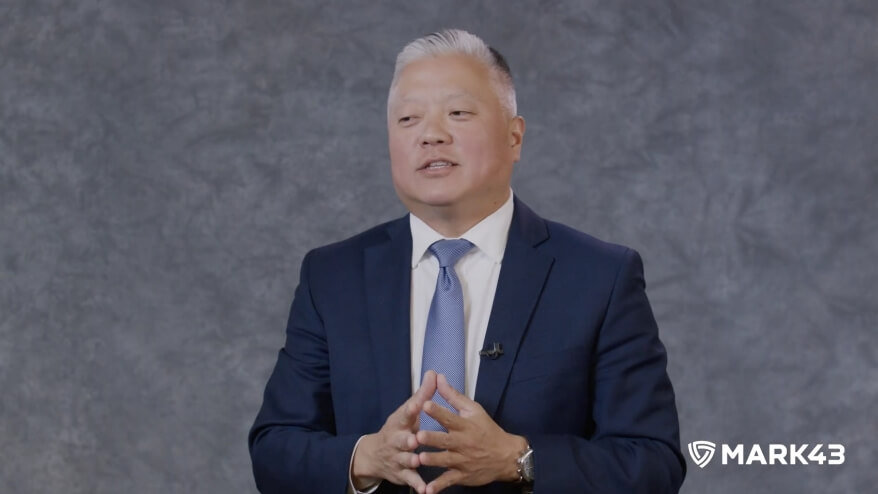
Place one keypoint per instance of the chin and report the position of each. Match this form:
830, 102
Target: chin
439, 202
435, 200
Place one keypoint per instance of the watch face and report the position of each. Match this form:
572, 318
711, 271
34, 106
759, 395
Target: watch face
527, 466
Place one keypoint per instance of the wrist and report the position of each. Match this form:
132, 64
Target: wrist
526, 466
362, 473
518, 445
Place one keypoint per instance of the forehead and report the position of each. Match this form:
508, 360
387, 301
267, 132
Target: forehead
445, 77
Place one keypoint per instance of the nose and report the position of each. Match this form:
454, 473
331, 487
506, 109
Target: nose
434, 133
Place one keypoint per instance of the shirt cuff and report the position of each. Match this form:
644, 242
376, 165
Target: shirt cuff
351, 488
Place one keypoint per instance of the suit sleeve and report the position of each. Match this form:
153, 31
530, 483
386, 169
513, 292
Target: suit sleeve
635, 445
293, 444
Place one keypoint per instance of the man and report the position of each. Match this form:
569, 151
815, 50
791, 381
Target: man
470, 346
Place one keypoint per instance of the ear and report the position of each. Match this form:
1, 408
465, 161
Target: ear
516, 135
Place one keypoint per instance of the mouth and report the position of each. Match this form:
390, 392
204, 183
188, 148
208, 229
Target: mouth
437, 164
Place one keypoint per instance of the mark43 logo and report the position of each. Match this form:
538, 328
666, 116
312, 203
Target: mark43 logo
778, 454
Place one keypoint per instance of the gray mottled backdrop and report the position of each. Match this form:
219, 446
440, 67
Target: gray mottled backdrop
165, 165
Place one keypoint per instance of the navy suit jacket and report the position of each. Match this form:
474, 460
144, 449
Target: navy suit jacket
583, 376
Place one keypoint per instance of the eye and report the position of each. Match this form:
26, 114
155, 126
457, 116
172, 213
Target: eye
460, 113
406, 119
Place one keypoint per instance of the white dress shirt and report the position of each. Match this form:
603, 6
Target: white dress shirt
478, 271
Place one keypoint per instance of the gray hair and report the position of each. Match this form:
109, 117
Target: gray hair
457, 41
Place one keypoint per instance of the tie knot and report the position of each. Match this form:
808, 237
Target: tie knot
449, 251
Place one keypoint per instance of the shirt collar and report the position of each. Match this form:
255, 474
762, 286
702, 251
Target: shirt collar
488, 235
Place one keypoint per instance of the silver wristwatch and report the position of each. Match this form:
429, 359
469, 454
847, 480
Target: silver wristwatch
526, 465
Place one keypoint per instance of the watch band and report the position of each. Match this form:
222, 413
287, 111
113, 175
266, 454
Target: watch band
525, 466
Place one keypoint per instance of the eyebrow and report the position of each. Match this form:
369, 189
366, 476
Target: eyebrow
449, 97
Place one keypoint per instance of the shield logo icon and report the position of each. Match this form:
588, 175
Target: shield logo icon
701, 452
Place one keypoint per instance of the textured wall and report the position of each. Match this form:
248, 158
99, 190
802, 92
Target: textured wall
165, 165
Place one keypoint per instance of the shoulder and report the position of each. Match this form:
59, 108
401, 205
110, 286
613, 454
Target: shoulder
581, 259
567, 241
344, 253
579, 255
561, 240
576, 253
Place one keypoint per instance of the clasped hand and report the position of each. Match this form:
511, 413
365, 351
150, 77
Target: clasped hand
476, 451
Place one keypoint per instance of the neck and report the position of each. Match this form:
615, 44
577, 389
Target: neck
455, 220
450, 227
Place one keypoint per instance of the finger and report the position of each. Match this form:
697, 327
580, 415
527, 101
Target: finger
447, 418
406, 415
408, 460
413, 480
435, 439
405, 441
458, 400
427, 389
410, 410
447, 459
444, 481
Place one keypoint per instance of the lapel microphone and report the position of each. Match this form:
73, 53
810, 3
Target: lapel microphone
492, 353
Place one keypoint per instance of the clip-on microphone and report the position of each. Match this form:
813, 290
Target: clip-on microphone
493, 353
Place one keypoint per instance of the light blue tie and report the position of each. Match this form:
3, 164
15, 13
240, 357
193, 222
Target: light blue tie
445, 338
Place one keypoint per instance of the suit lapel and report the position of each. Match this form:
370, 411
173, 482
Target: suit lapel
388, 296
521, 282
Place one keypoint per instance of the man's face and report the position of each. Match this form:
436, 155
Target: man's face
445, 109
